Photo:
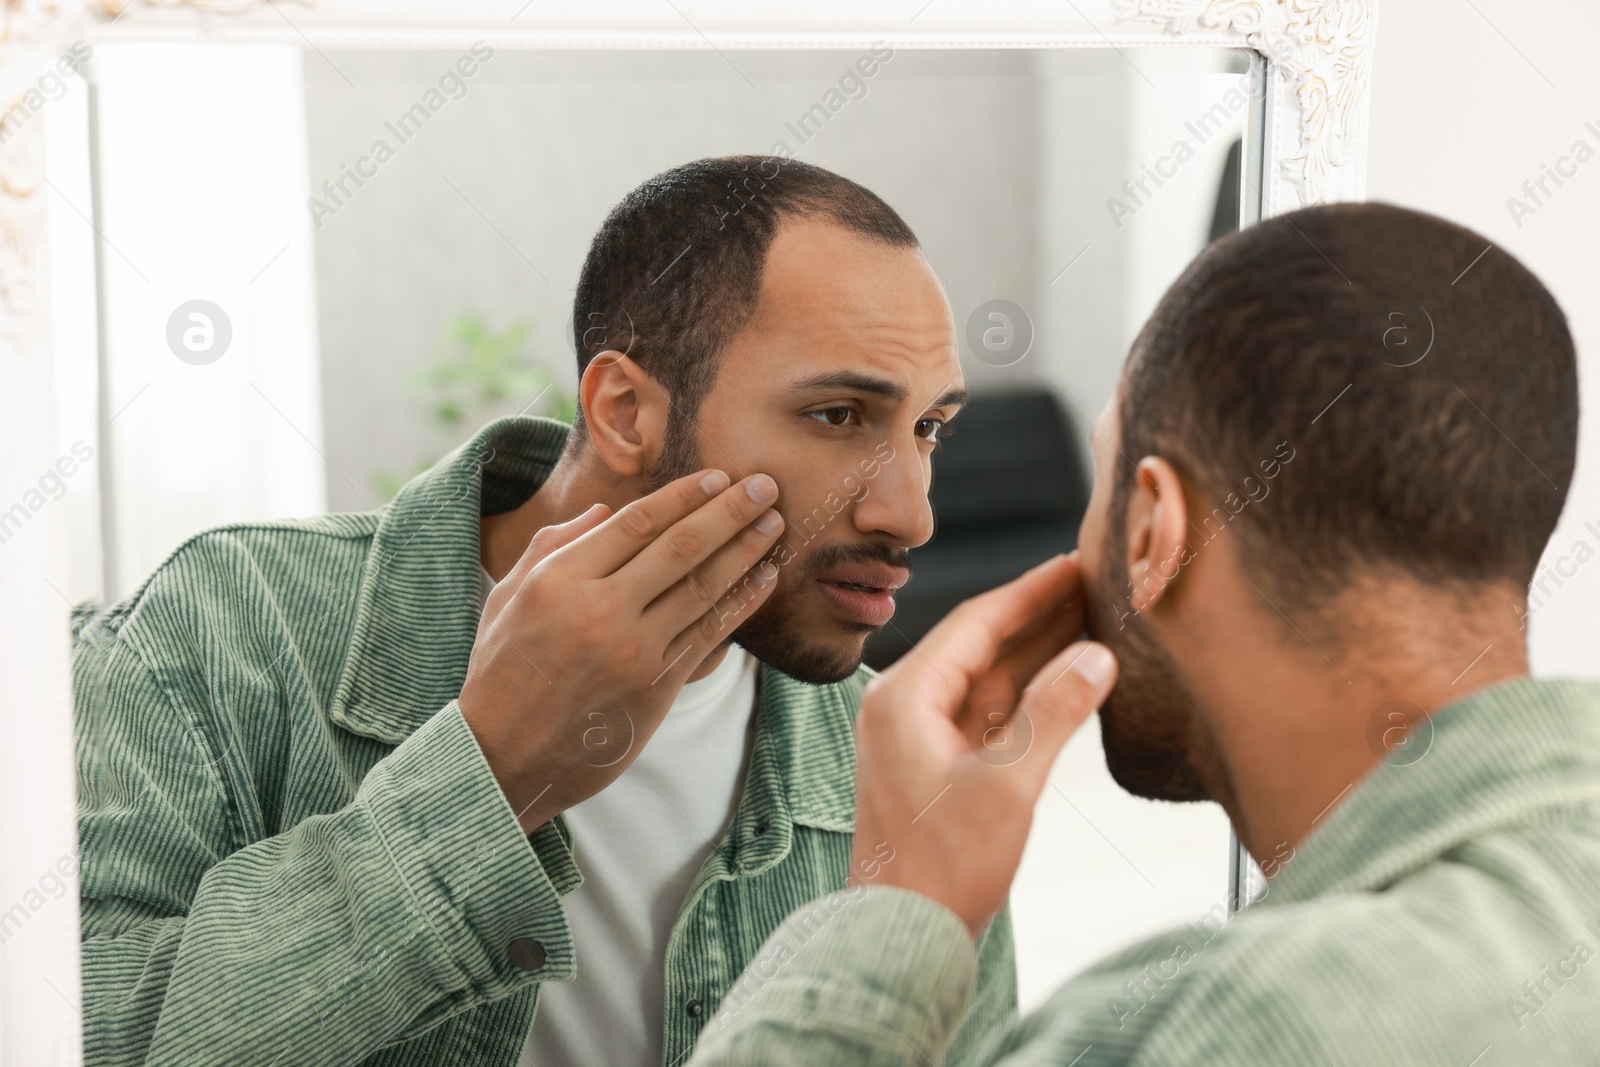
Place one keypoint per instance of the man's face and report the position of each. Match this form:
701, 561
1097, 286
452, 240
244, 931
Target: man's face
837, 389
1148, 723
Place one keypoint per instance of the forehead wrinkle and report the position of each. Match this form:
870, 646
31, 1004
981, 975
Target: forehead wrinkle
883, 339
884, 348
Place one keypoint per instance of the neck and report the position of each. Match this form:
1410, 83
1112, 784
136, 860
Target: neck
1299, 717
576, 483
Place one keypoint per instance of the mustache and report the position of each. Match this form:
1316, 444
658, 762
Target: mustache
826, 557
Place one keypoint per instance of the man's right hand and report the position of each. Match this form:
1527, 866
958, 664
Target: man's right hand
979, 713
585, 644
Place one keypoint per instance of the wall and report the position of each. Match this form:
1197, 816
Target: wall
490, 208
1469, 102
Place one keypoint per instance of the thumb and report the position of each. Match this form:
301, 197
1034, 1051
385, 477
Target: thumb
1064, 693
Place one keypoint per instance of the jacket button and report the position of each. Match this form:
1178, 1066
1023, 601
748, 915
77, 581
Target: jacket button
526, 953
763, 826
694, 1009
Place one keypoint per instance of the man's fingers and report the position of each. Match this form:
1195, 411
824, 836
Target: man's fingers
690, 648
1023, 656
995, 693
969, 640
692, 539
706, 584
637, 525
1064, 693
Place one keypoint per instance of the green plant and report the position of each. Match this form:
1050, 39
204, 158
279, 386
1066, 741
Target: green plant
482, 373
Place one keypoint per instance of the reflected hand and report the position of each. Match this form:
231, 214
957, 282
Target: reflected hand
956, 740
585, 644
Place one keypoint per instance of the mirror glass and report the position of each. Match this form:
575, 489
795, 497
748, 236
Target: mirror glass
322, 270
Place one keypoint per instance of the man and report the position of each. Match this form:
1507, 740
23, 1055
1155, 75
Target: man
343, 804
1309, 547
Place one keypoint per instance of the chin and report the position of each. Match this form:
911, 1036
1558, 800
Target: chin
812, 662
1156, 769
817, 651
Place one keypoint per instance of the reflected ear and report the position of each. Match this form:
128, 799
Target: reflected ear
624, 412
1158, 522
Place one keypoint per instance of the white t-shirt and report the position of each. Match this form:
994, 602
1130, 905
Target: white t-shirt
639, 843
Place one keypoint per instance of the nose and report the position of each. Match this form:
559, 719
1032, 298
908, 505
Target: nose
895, 505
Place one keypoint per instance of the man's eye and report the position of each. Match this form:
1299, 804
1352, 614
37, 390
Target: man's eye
935, 430
833, 416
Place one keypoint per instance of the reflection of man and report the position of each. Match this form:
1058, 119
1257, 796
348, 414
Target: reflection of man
342, 803
1333, 662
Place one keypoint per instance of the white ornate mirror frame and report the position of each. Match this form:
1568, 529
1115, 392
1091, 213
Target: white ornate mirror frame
1312, 121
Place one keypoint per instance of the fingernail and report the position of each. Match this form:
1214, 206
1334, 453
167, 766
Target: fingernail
770, 522
761, 488
765, 572
1095, 665
713, 483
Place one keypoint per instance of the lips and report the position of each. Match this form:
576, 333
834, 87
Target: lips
874, 577
864, 591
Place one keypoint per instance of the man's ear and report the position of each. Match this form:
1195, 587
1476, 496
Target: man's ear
1158, 523
624, 412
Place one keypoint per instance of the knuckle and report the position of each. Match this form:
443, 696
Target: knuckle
742, 596
701, 587
738, 506
535, 582
684, 543
541, 544
637, 521
711, 627
690, 496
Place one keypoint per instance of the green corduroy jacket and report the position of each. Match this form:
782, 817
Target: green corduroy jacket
293, 851
1443, 912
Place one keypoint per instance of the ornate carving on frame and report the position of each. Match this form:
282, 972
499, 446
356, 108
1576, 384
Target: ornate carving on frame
1322, 48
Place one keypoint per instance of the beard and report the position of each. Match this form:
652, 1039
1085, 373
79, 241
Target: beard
1147, 723
774, 634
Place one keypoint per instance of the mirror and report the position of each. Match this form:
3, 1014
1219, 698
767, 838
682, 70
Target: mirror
323, 269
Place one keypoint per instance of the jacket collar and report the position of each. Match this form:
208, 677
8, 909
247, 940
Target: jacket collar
417, 609
1494, 757
417, 615
803, 762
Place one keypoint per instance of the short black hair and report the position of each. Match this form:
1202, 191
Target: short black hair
1425, 381
674, 271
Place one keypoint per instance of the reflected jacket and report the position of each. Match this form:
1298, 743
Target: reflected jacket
293, 851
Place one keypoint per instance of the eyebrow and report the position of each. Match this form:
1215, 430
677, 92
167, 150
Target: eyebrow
870, 383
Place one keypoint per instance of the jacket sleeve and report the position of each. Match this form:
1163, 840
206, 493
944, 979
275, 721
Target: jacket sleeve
885, 984
994, 997
352, 930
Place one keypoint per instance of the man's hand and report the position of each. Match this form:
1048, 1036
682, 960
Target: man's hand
954, 742
585, 644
